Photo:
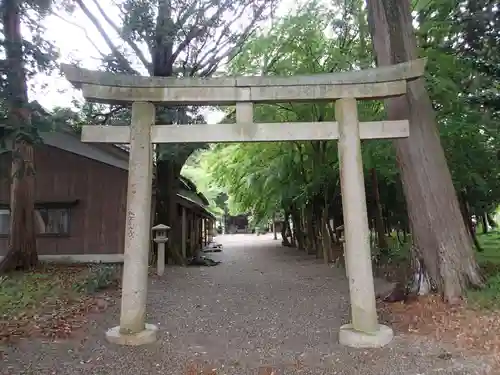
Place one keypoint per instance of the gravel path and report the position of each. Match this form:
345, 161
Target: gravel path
263, 308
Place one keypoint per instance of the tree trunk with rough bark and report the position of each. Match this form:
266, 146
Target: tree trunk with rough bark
437, 225
167, 184
167, 169
22, 253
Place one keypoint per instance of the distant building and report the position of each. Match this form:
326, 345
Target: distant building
237, 224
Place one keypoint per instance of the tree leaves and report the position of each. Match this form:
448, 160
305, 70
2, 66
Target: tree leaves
323, 38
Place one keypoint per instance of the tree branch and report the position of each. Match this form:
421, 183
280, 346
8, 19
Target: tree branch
196, 31
84, 32
114, 50
212, 64
128, 40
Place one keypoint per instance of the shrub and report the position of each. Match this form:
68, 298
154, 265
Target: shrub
101, 276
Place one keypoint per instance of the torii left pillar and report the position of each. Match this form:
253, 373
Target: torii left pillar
133, 329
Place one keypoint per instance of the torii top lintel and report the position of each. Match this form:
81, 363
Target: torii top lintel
371, 83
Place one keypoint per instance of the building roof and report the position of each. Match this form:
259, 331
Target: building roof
116, 156
69, 141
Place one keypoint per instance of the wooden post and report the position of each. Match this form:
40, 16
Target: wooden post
205, 230
184, 233
202, 219
192, 233
200, 232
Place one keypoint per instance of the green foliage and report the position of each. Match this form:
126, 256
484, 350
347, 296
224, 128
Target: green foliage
489, 260
261, 178
489, 297
196, 169
99, 277
39, 56
46, 286
24, 291
267, 177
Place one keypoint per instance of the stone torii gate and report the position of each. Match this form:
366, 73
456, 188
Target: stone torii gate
343, 88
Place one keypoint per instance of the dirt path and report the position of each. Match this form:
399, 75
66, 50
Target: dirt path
263, 308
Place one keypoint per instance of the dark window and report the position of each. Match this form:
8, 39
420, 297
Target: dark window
47, 221
4, 221
52, 220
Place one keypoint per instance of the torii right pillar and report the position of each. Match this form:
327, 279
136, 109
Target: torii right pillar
364, 331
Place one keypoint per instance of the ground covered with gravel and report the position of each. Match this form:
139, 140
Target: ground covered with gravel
264, 310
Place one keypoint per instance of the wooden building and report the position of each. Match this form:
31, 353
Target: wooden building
237, 224
198, 224
80, 202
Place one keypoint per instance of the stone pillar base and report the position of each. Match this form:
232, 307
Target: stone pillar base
148, 336
356, 339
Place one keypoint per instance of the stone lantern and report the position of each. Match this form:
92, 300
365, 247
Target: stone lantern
160, 232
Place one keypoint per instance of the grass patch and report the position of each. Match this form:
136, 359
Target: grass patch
21, 291
489, 261
51, 299
490, 242
489, 297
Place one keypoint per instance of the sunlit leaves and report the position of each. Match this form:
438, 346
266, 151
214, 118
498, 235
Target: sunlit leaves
261, 177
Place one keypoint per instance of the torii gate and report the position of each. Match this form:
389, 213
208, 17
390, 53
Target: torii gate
343, 88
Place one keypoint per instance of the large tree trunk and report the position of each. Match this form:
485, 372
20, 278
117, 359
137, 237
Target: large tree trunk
22, 238
167, 185
437, 226
167, 169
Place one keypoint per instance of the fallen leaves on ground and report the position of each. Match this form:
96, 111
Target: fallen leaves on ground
466, 328
475, 330
45, 303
